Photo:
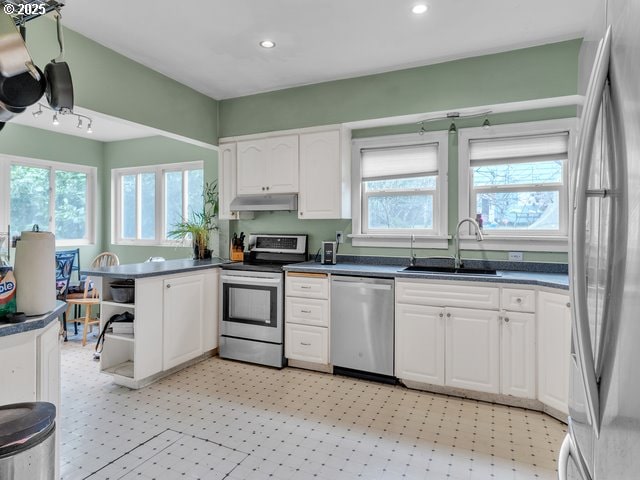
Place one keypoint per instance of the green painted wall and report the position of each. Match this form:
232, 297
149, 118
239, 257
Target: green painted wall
538, 72
525, 74
40, 144
144, 152
107, 82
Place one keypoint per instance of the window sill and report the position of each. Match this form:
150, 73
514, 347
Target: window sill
74, 243
518, 243
399, 241
149, 243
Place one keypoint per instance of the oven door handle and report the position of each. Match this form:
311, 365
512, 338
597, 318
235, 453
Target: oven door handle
250, 280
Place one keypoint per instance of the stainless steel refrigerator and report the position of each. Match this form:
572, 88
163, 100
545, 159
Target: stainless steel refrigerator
603, 440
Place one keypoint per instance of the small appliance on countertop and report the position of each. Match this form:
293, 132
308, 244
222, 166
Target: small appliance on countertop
252, 306
329, 253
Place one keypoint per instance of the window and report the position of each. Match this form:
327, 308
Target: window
149, 201
515, 179
402, 185
58, 197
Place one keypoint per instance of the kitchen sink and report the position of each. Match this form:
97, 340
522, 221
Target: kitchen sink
450, 270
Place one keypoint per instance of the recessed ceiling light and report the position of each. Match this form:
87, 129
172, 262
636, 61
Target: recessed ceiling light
267, 44
419, 9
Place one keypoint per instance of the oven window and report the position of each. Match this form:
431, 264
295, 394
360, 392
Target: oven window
250, 304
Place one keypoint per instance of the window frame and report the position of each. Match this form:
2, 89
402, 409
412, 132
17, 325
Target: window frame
7, 161
527, 240
160, 199
437, 237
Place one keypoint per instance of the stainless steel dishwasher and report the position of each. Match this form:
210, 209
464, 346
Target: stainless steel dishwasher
362, 326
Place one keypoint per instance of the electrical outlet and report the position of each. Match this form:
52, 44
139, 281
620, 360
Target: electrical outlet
516, 256
339, 237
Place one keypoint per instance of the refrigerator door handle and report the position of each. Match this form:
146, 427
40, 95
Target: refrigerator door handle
581, 330
568, 452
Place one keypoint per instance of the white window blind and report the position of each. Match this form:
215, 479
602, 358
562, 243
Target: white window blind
520, 148
386, 163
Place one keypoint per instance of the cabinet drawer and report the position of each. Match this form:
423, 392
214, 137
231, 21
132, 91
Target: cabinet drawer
307, 311
447, 294
517, 300
306, 343
307, 286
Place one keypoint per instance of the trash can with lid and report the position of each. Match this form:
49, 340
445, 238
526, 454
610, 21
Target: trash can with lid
27, 441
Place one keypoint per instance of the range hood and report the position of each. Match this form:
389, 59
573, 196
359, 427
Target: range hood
255, 203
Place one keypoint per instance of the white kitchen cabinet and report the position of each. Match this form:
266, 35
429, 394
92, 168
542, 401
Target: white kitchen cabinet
554, 349
48, 349
325, 189
267, 165
518, 300
517, 354
176, 320
307, 320
183, 319
419, 343
306, 343
472, 349
227, 180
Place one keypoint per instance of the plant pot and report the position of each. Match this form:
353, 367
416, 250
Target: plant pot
201, 253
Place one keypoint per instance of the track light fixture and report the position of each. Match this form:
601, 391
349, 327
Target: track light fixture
82, 119
453, 116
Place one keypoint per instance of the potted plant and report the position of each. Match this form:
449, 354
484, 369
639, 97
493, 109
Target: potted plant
199, 225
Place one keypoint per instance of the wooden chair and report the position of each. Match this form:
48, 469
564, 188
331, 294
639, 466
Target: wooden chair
90, 297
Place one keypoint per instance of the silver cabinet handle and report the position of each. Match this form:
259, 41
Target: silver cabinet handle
305, 287
168, 285
267, 188
305, 344
448, 315
506, 319
305, 311
518, 300
580, 315
441, 314
568, 304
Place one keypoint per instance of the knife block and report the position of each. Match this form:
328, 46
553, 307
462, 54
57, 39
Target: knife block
236, 254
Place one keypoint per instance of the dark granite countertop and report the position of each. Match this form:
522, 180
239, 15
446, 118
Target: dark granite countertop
154, 269
33, 323
534, 275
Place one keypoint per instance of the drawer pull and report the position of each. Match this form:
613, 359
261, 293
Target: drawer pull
305, 287
518, 300
305, 344
448, 315
305, 311
506, 319
568, 304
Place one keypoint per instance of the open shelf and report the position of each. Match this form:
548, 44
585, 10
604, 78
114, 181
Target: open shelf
111, 303
127, 337
124, 369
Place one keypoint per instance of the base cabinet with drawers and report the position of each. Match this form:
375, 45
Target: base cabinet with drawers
306, 326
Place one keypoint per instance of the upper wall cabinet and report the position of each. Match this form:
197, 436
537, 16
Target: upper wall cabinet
268, 165
324, 176
227, 180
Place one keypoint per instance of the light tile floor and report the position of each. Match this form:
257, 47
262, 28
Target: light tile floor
228, 420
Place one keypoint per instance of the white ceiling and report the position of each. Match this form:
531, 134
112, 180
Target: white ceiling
105, 128
212, 45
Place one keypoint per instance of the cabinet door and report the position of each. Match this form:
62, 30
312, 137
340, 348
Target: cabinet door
252, 168
48, 349
183, 318
282, 167
226, 180
554, 349
472, 353
320, 176
306, 343
211, 314
420, 343
517, 354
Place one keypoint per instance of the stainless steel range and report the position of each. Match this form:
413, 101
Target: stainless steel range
252, 293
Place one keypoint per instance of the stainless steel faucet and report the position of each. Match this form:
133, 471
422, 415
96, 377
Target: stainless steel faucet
412, 256
478, 233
